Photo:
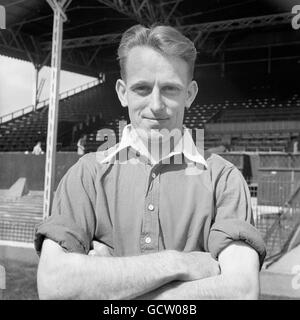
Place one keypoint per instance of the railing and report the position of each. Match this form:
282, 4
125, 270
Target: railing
214, 115
45, 102
280, 234
277, 220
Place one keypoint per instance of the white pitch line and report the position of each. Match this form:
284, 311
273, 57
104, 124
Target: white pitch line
16, 244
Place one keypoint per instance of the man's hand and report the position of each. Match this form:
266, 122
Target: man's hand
239, 279
99, 249
199, 265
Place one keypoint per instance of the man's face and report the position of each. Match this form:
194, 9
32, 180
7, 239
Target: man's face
156, 90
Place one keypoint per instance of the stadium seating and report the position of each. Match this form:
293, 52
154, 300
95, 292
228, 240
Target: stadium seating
199, 114
22, 133
251, 110
86, 112
255, 142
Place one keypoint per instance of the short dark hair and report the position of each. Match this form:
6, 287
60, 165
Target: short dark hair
164, 39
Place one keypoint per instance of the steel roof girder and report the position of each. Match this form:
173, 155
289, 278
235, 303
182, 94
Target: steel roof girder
192, 31
237, 24
143, 11
86, 41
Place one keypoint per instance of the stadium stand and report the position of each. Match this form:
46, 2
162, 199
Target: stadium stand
200, 114
81, 110
257, 123
251, 116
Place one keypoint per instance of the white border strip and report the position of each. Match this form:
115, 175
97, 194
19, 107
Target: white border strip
18, 244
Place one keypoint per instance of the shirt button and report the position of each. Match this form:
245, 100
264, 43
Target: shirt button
151, 207
153, 175
148, 240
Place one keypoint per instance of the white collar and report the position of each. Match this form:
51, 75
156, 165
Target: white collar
185, 146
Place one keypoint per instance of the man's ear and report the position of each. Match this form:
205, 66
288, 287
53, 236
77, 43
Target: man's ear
191, 93
121, 92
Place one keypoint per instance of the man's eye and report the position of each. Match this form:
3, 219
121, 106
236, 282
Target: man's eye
143, 90
170, 90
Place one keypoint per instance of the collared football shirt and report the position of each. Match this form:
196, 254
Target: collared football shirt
137, 207
185, 145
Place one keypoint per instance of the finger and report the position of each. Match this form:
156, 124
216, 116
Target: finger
92, 253
101, 249
98, 245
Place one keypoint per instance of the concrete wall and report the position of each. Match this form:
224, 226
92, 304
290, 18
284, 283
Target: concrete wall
17, 253
14, 165
278, 286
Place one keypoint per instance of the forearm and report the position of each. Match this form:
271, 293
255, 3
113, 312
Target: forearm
217, 287
77, 276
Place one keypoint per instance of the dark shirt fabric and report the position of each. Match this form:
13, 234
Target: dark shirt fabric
139, 208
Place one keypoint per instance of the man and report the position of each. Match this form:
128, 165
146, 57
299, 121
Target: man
37, 149
147, 228
81, 145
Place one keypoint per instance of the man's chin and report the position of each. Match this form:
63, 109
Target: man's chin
152, 134
155, 135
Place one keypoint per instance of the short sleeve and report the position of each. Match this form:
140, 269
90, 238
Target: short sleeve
233, 215
72, 220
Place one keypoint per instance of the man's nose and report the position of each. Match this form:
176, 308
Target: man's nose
156, 103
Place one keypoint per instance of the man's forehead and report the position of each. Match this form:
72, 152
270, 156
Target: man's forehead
145, 63
147, 52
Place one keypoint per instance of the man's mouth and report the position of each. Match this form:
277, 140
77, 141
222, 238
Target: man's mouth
155, 119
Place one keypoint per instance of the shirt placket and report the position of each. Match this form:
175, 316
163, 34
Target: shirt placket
150, 228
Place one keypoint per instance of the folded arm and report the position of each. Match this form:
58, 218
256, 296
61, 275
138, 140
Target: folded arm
63, 275
239, 279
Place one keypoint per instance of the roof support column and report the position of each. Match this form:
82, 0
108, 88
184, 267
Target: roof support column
59, 17
37, 69
269, 60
